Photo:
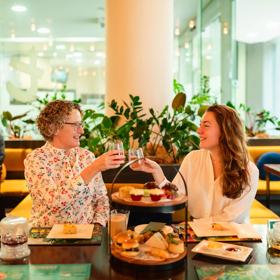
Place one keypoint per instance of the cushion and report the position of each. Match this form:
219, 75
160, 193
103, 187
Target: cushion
271, 157
256, 151
13, 188
273, 185
3, 172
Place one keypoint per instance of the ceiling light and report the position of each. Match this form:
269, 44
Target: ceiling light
72, 48
18, 8
60, 47
40, 54
225, 28
192, 24
33, 27
92, 48
43, 30
177, 31
187, 45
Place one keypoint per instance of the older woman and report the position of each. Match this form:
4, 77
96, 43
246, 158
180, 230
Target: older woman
221, 181
65, 180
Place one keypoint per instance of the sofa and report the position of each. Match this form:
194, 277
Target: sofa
259, 214
255, 152
13, 187
12, 184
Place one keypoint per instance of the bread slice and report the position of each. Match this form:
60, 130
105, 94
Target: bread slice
157, 241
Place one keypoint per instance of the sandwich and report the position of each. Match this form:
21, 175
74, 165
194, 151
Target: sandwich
157, 252
157, 241
122, 237
175, 244
130, 248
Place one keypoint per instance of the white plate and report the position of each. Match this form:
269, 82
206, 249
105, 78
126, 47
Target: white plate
166, 229
84, 231
221, 250
204, 229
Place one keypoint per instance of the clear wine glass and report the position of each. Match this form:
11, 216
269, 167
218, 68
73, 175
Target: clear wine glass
117, 145
135, 154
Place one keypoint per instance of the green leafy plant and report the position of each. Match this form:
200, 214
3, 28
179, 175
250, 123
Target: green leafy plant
128, 123
173, 130
17, 125
255, 122
39, 103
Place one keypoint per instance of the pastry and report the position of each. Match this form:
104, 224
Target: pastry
156, 194
136, 194
69, 229
124, 192
214, 245
217, 226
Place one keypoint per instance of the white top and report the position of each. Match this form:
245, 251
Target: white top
205, 197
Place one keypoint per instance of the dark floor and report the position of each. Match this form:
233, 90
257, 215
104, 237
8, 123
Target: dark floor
274, 203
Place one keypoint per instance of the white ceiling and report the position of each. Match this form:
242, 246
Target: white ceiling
78, 25
65, 18
82, 22
257, 20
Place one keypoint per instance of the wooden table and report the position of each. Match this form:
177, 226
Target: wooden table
270, 169
102, 268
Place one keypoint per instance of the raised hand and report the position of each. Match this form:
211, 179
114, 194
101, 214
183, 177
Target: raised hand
108, 160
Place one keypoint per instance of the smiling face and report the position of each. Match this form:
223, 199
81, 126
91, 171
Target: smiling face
209, 132
68, 136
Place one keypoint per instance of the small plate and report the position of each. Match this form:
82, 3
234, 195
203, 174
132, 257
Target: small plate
166, 229
205, 229
84, 231
221, 250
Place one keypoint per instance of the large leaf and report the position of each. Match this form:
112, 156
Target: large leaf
179, 100
7, 115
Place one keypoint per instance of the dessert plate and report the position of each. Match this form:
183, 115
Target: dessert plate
221, 250
84, 231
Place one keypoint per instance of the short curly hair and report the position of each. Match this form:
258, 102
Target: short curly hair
53, 116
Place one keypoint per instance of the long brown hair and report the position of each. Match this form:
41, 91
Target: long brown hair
234, 150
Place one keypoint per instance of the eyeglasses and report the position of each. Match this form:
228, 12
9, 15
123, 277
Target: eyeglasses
75, 124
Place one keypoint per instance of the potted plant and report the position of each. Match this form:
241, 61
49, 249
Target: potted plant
17, 125
255, 122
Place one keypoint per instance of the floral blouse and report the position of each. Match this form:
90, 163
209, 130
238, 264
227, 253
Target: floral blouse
59, 193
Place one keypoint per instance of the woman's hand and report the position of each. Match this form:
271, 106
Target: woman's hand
149, 166
109, 160
145, 165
